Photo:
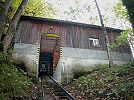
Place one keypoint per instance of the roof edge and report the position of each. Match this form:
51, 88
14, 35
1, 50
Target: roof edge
41, 20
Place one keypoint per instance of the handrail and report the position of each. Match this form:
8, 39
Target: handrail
68, 95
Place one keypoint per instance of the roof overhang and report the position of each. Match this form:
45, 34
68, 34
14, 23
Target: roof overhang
43, 20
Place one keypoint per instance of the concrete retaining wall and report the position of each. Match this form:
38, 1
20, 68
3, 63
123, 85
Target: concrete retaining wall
83, 59
71, 59
27, 54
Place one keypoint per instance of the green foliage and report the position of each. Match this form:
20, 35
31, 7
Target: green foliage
32, 8
122, 39
14, 6
120, 11
35, 8
126, 69
39, 8
125, 89
1, 4
109, 78
12, 82
2, 0
77, 74
107, 83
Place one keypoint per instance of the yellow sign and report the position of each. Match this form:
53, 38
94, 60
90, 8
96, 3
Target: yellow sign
52, 35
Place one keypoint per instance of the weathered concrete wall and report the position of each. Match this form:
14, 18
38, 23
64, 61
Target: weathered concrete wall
58, 71
28, 55
71, 59
82, 59
93, 54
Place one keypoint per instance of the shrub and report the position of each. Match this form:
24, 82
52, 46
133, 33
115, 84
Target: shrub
12, 82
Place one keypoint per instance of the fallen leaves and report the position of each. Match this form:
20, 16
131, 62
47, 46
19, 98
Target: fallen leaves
105, 84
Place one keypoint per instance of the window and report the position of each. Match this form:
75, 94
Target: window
93, 42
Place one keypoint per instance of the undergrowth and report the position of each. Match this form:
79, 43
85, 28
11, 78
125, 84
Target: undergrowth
13, 82
106, 83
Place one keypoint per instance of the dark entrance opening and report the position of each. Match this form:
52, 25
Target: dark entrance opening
46, 64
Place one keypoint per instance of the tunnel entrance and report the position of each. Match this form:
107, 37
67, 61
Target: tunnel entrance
48, 54
46, 63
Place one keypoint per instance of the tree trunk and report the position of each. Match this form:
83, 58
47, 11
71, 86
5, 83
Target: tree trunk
106, 37
3, 16
12, 27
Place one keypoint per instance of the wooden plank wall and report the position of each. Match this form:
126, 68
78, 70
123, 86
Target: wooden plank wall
75, 36
47, 44
28, 32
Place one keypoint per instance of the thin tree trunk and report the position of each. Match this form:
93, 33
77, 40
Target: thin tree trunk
3, 16
12, 27
106, 37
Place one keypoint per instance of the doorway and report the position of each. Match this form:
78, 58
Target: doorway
46, 59
46, 63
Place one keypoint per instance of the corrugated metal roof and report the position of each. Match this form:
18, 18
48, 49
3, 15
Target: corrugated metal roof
42, 20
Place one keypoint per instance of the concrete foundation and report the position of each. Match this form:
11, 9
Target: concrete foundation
71, 59
84, 59
26, 54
